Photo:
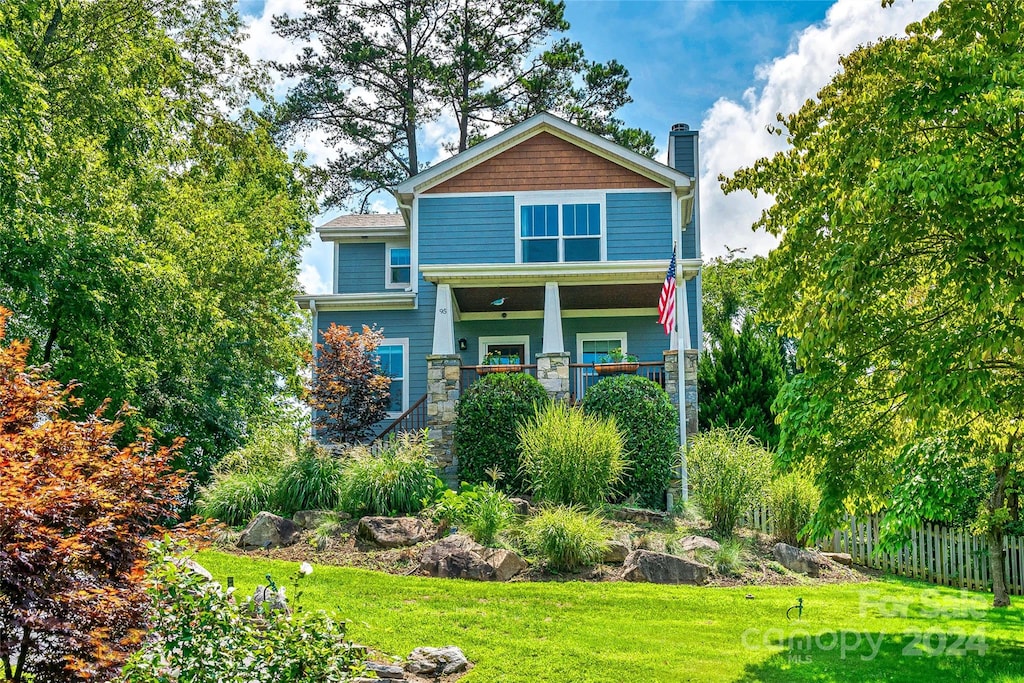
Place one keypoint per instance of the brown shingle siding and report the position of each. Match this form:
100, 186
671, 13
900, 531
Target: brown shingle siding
544, 162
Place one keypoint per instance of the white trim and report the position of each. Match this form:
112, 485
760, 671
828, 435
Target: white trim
358, 302
404, 343
509, 193
414, 243
590, 272
598, 336
388, 283
544, 122
560, 198
336, 263
523, 339
568, 313
349, 235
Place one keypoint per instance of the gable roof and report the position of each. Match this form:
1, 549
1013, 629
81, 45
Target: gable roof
364, 224
545, 123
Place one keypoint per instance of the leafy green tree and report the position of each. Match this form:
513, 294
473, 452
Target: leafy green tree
901, 270
381, 71
151, 242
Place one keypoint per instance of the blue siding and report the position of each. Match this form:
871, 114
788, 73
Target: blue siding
467, 229
645, 338
639, 225
361, 268
686, 153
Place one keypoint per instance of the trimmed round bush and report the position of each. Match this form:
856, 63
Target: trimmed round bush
792, 500
400, 480
729, 473
649, 422
569, 457
487, 417
568, 538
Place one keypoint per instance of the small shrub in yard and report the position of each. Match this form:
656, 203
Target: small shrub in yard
481, 511
488, 415
570, 457
199, 633
728, 560
568, 538
729, 473
650, 425
793, 498
309, 482
236, 498
399, 480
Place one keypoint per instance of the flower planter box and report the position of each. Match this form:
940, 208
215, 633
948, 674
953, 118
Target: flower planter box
488, 369
616, 368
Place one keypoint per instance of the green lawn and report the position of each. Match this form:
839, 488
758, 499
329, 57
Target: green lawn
638, 632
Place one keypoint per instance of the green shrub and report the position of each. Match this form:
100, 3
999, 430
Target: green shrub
487, 418
569, 457
729, 559
399, 480
481, 511
650, 425
567, 537
198, 632
793, 498
268, 449
729, 472
236, 498
309, 482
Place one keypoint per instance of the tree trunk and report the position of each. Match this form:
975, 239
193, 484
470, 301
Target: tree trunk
1000, 595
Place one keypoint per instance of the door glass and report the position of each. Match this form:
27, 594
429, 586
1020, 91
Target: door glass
506, 354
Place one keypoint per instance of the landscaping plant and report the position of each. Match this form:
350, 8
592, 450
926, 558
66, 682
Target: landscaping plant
569, 457
650, 425
203, 634
568, 538
729, 472
75, 512
236, 498
487, 417
792, 500
481, 511
399, 480
309, 482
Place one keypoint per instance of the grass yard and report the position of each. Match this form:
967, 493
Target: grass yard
891, 630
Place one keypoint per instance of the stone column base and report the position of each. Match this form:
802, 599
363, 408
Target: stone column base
553, 374
444, 375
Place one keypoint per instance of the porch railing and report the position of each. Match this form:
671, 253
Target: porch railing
412, 420
582, 376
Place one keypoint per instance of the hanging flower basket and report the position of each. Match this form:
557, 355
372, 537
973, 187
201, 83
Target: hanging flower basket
624, 368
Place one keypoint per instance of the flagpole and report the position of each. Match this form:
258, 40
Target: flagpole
683, 335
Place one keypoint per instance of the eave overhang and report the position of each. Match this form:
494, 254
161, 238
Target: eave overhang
357, 302
520, 274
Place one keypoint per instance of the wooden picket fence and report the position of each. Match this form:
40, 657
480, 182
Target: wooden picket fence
943, 555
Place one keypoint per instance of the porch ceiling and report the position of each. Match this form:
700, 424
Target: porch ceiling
571, 297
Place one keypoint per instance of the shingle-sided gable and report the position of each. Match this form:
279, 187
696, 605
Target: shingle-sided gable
544, 162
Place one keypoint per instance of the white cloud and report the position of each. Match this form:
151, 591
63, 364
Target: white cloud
734, 135
311, 278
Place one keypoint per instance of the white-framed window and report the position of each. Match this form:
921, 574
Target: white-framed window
560, 227
393, 356
591, 346
399, 266
506, 349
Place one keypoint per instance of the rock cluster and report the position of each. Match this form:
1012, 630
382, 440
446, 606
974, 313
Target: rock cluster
799, 560
395, 532
644, 565
267, 530
460, 557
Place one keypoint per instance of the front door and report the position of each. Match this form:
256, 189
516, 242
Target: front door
513, 350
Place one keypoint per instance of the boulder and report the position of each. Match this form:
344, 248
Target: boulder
689, 544
311, 519
460, 557
799, 560
395, 532
267, 531
644, 565
523, 506
640, 516
840, 558
616, 552
437, 661
386, 671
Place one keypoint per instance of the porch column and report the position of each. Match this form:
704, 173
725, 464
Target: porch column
690, 391
444, 323
444, 374
552, 320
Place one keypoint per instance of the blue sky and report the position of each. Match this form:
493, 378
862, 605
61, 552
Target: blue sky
725, 67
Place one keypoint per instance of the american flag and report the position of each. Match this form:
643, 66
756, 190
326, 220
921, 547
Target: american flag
667, 302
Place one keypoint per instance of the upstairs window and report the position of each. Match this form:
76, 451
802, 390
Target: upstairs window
399, 267
553, 233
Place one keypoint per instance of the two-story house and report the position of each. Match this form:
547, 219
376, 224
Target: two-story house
545, 246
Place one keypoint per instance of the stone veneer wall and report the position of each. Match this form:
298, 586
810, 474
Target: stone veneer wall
553, 374
689, 384
443, 385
